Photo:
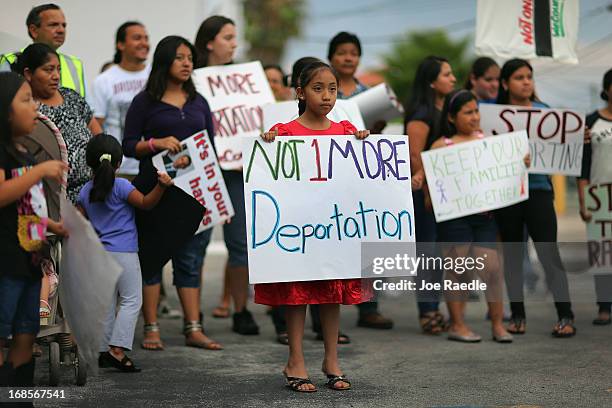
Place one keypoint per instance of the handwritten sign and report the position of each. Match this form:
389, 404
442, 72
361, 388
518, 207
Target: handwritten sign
482, 175
598, 200
283, 112
556, 136
196, 171
312, 200
235, 94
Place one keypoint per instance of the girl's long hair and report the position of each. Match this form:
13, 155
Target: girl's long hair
306, 75
422, 94
10, 83
164, 56
103, 169
206, 33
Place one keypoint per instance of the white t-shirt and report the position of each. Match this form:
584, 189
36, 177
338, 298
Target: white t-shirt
113, 92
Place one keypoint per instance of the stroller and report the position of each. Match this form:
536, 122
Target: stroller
56, 335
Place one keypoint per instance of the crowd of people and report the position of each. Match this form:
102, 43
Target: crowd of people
53, 143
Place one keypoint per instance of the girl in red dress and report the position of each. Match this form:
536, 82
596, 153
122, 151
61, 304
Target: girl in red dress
318, 85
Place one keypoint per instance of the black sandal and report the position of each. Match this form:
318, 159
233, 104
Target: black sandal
294, 383
342, 338
520, 325
433, 323
561, 324
332, 380
283, 338
125, 365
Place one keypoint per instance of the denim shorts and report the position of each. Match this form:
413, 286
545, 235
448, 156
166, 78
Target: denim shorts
479, 229
187, 263
19, 306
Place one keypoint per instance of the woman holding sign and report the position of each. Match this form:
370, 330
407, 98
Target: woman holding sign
477, 231
317, 90
537, 213
434, 80
216, 43
166, 112
596, 169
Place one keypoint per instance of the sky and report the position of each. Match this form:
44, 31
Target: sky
379, 23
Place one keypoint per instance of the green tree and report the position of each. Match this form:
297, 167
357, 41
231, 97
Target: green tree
407, 53
270, 24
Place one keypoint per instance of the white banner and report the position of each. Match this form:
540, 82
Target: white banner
528, 29
556, 136
196, 171
477, 176
378, 103
312, 200
235, 94
284, 112
88, 280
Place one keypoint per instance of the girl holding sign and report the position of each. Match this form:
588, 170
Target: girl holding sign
216, 43
434, 80
166, 112
596, 169
478, 231
537, 213
317, 92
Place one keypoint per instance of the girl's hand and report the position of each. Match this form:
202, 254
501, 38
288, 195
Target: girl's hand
164, 179
527, 160
587, 135
170, 143
269, 136
52, 169
417, 180
585, 215
57, 228
362, 134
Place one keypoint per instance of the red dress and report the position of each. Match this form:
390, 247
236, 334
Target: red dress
341, 291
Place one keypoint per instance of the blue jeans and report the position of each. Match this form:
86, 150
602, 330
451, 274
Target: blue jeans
19, 306
187, 263
425, 234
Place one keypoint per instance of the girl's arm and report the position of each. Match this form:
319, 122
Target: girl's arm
417, 136
11, 190
147, 202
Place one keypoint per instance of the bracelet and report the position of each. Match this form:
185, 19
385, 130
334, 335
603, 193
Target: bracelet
151, 147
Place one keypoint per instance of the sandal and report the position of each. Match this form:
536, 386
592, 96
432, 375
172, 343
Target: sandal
342, 338
433, 323
45, 309
332, 380
196, 326
152, 344
221, 312
561, 324
295, 383
518, 325
125, 365
283, 338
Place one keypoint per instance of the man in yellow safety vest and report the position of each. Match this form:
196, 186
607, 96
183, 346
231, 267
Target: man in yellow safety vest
46, 24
